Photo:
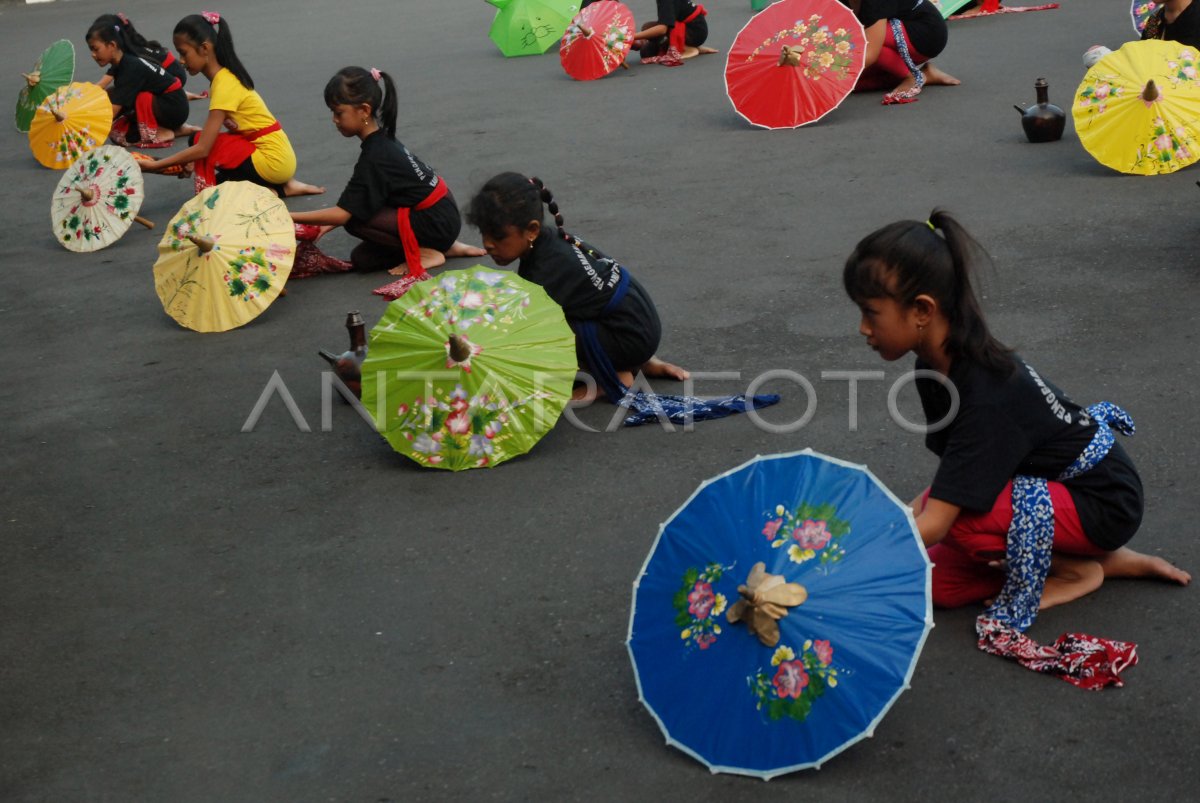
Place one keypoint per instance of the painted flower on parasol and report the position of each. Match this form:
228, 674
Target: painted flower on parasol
69, 123
530, 27
97, 200
1138, 108
794, 62
469, 370
779, 614
1140, 12
597, 40
225, 257
54, 69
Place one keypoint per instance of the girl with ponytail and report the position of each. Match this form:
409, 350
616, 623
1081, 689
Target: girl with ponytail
149, 104
1033, 499
241, 140
399, 207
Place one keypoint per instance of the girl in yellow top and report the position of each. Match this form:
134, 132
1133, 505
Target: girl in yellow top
254, 148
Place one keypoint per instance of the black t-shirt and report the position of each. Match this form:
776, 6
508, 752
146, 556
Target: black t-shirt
134, 75
171, 64
1023, 424
386, 175
1185, 29
582, 280
924, 24
673, 11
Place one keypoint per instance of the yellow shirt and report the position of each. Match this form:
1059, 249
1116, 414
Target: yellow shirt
273, 157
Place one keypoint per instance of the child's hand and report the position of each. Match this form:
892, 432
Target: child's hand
324, 230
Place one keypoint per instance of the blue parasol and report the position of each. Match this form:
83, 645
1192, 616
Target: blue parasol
803, 548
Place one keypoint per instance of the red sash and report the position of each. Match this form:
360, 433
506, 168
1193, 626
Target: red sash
678, 36
230, 150
408, 239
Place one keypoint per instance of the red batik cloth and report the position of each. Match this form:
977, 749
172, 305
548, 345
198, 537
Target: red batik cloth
310, 260
1081, 660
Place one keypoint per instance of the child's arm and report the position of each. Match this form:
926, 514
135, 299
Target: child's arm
653, 32
935, 520
330, 216
208, 136
104, 81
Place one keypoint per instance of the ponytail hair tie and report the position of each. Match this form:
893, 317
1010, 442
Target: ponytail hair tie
121, 16
930, 225
375, 74
212, 18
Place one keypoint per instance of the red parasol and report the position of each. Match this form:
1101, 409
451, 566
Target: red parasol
794, 62
597, 40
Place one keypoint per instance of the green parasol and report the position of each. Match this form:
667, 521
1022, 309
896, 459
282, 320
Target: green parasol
469, 370
530, 27
55, 68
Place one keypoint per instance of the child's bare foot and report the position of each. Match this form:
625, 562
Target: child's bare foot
429, 259
936, 77
584, 393
706, 51
661, 368
187, 130
294, 187
464, 250
1127, 563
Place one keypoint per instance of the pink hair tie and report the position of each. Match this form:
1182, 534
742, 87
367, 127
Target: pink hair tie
124, 20
212, 18
375, 73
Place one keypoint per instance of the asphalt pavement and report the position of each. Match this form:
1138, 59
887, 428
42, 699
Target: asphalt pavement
189, 612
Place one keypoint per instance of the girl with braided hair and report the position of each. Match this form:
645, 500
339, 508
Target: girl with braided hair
598, 295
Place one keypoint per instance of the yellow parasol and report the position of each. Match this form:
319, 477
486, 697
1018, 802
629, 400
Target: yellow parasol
69, 123
225, 257
97, 200
1138, 108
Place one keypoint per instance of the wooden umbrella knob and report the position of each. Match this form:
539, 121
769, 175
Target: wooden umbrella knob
87, 193
205, 244
32, 78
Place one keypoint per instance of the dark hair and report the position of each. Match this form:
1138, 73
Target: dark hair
511, 199
905, 259
355, 85
200, 31
110, 28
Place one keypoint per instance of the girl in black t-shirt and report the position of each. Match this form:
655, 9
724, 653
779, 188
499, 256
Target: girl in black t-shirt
149, 104
903, 36
677, 33
395, 203
616, 323
1176, 21
912, 282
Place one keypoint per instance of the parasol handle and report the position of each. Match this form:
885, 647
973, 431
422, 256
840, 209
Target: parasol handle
58, 115
1150, 93
87, 193
587, 32
459, 350
789, 57
624, 66
32, 78
205, 244
147, 223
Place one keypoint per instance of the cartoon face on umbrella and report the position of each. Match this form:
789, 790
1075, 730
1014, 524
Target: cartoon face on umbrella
530, 27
